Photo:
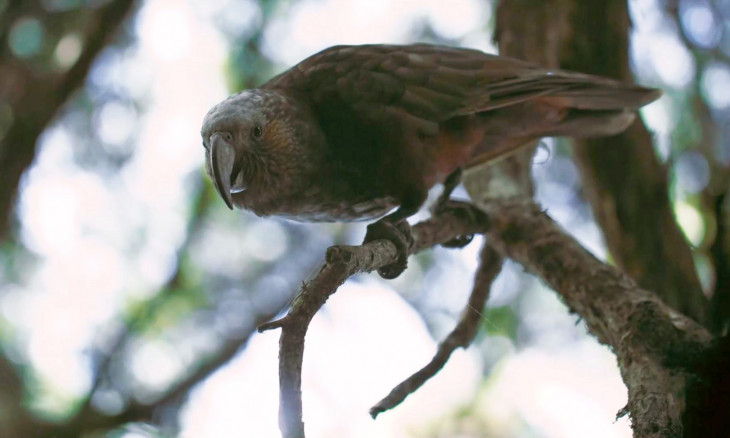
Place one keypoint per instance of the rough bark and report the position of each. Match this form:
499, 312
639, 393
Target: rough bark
656, 347
625, 183
672, 385
662, 354
341, 263
624, 180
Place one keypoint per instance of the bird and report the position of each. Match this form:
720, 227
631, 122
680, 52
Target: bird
361, 132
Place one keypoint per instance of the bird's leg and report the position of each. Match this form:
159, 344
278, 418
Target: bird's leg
398, 232
395, 227
444, 204
452, 181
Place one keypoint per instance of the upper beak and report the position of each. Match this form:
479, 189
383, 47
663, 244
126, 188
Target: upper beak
222, 158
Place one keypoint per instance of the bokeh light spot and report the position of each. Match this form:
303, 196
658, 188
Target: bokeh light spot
108, 401
240, 16
167, 29
155, 364
716, 86
659, 115
692, 172
700, 24
115, 122
26, 37
690, 220
676, 71
67, 51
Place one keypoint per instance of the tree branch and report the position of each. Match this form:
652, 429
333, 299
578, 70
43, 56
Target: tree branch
655, 346
341, 263
461, 336
625, 182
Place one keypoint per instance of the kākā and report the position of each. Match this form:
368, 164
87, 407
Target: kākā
352, 132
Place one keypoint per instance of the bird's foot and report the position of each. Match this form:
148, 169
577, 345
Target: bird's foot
400, 234
463, 210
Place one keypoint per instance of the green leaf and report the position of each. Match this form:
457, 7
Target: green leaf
500, 321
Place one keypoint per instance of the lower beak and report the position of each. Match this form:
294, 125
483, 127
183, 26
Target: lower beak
222, 157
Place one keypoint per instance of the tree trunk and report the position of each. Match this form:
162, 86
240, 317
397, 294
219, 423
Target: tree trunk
627, 188
625, 183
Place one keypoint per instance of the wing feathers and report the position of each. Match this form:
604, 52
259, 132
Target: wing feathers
435, 83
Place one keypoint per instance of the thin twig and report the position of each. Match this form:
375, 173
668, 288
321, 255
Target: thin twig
461, 336
642, 330
341, 263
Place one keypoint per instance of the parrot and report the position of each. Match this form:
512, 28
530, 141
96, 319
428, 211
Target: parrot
363, 132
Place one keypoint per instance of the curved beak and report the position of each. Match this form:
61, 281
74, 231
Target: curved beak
222, 158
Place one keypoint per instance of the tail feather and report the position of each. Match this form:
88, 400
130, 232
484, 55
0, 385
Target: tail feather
576, 124
565, 104
603, 98
559, 88
589, 123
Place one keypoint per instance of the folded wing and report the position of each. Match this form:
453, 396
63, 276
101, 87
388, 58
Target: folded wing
435, 83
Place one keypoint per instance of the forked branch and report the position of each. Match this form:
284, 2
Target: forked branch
656, 347
341, 263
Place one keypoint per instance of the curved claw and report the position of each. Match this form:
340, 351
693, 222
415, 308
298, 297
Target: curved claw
461, 209
459, 241
222, 157
400, 234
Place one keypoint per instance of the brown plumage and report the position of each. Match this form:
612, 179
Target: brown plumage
354, 131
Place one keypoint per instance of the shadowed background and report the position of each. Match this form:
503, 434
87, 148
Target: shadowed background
129, 294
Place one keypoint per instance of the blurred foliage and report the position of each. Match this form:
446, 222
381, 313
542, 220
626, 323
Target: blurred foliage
500, 320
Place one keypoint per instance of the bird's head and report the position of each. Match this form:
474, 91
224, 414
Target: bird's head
255, 140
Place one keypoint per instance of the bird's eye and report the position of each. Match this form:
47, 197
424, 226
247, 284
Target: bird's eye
257, 132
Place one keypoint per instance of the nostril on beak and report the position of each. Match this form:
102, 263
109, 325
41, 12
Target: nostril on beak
227, 136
